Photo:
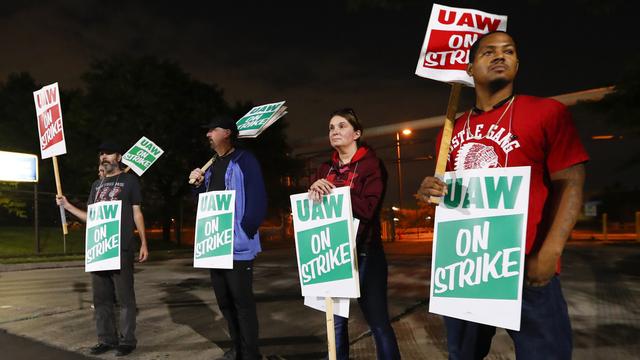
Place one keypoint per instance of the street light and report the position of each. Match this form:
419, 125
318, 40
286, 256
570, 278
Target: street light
405, 132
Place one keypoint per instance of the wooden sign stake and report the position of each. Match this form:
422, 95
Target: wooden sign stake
331, 331
204, 168
56, 173
445, 143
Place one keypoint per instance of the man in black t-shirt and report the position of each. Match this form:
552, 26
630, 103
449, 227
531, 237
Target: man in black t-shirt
116, 185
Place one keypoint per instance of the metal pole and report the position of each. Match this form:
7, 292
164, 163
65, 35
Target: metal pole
393, 226
637, 225
179, 224
36, 225
418, 222
399, 170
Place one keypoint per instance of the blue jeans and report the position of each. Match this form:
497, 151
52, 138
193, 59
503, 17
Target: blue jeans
545, 329
373, 303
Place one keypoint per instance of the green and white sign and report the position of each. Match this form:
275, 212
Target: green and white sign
479, 241
142, 155
102, 236
213, 245
340, 305
326, 245
259, 119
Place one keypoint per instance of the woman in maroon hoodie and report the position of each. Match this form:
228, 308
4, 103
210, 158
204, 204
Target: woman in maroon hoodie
355, 165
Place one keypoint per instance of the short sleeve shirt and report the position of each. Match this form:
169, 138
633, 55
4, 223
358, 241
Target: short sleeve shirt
124, 187
531, 131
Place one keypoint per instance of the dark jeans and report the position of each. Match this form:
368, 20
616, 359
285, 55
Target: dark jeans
234, 292
106, 285
373, 303
545, 330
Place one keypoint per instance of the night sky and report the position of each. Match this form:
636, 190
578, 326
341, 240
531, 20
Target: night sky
319, 56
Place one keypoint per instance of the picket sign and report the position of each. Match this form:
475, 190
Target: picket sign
479, 240
340, 305
51, 136
326, 250
445, 55
259, 118
214, 234
141, 156
103, 236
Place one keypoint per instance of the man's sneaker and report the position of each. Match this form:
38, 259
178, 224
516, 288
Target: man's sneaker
100, 348
124, 350
228, 355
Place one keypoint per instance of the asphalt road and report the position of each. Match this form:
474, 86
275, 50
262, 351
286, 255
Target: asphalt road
46, 313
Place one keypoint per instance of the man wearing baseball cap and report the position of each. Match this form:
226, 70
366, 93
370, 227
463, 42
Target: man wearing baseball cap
236, 169
115, 185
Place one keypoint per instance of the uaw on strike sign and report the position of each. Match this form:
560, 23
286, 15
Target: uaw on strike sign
326, 245
49, 116
478, 246
142, 155
450, 34
213, 244
102, 236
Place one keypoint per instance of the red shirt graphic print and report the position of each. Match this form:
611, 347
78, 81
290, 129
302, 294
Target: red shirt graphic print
534, 132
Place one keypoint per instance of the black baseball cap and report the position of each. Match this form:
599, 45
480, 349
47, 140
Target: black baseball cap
109, 147
223, 122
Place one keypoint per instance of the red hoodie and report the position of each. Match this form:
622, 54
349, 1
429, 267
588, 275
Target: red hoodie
367, 177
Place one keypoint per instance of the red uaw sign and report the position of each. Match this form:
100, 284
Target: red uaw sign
49, 116
450, 34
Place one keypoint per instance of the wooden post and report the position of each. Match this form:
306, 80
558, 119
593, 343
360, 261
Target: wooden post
604, 226
452, 108
63, 217
204, 168
331, 331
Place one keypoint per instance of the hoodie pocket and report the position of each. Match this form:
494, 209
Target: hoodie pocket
241, 241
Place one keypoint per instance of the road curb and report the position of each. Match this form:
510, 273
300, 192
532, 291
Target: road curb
41, 265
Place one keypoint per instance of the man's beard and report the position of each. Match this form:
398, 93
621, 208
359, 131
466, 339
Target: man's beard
109, 167
498, 84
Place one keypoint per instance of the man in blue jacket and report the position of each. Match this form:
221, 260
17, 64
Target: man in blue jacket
236, 169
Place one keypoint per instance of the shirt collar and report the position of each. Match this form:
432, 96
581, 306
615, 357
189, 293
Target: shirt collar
499, 104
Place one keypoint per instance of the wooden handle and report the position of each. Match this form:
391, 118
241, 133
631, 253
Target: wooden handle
56, 174
127, 169
331, 334
452, 108
203, 168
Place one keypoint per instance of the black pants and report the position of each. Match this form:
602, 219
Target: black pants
234, 292
106, 285
372, 269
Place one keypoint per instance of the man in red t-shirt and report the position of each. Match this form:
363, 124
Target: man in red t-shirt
503, 130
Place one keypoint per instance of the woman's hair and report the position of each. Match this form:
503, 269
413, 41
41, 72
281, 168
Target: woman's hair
350, 115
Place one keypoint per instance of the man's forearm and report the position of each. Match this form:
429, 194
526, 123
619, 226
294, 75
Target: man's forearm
80, 214
138, 219
567, 192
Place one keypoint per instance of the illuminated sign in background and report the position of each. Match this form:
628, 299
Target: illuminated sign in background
18, 167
